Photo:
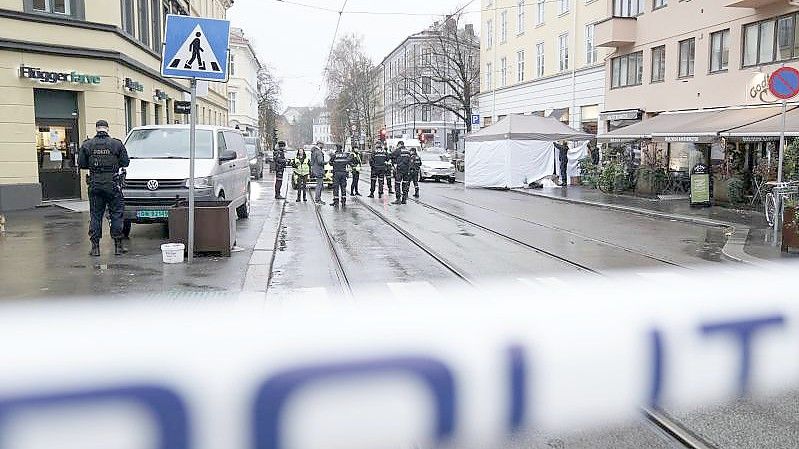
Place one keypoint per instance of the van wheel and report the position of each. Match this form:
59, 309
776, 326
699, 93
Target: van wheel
243, 211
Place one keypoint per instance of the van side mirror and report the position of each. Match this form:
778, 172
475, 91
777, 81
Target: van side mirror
228, 155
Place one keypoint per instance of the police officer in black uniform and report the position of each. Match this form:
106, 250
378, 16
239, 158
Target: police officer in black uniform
104, 156
377, 163
340, 162
416, 167
390, 175
563, 158
401, 158
279, 156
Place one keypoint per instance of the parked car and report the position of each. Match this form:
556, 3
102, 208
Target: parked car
256, 157
436, 166
158, 176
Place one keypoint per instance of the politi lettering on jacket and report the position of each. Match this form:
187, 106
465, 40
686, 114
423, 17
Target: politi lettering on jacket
51, 77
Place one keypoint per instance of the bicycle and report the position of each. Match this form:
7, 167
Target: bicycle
781, 190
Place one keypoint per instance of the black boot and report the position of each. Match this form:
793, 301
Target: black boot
335, 202
416, 194
119, 249
344, 201
95, 252
371, 195
404, 199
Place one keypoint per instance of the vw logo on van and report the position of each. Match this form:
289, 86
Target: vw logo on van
152, 184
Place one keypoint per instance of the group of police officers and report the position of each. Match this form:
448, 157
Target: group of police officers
403, 165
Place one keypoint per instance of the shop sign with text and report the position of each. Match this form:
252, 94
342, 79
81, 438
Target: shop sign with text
133, 86
52, 77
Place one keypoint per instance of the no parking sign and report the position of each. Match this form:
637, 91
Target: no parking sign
784, 83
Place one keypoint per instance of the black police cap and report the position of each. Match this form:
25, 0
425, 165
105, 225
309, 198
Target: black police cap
101, 124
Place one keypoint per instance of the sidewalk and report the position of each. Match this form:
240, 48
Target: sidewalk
749, 237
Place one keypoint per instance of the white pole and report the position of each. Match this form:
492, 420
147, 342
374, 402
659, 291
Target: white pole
573, 112
782, 142
493, 85
192, 143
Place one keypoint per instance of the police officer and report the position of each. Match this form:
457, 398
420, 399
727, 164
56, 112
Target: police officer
340, 162
416, 167
104, 156
279, 156
356, 172
378, 163
402, 177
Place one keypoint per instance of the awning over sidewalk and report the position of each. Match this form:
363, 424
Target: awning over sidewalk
691, 126
767, 129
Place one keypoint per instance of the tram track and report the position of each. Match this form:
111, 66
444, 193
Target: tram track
675, 430
341, 273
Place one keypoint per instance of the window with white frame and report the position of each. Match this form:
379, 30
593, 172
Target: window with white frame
520, 66
232, 65
489, 33
503, 27
489, 76
657, 4
231, 102
427, 85
563, 6
52, 6
426, 56
520, 17
659, 64
628, 8
720, 50
426, 113
539, 59
503, 72
687, 55
540, 11
563, 51
627, 70
590, 48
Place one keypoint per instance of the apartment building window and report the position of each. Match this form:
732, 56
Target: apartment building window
628, 8
771, 40
503, 72
426, 113
540, 11
520, 66
687, 54
659, 64
503, 27
627, 70
231, 102
563, 51
539, 59
128, 17
520, 17
427, 85
232, 65
489, 33
720, 50
144, 23
51, 6
590, 48
426, 56
563, 6
489, 77
657, 4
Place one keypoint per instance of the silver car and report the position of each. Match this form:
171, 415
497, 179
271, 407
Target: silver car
157, 178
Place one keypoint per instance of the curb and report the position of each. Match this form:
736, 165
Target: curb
636, 210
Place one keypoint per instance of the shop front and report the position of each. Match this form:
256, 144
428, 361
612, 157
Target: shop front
57, 143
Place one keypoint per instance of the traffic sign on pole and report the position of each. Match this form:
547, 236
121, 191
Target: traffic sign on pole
784, 83
195, 48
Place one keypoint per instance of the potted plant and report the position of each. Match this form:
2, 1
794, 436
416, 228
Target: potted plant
790, 229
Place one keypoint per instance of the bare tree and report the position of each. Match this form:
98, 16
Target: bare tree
447, 73
268, 104
352, 83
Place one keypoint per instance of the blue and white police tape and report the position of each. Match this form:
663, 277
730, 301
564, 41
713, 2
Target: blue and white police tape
467, 369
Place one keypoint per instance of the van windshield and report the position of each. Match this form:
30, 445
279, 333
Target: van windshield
168, 144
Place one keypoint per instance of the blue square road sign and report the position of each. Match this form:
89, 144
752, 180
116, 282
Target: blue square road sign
196, 47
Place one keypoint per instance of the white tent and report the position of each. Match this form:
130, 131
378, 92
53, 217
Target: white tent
516, 151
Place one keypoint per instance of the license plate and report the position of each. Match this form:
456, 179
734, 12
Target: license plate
152, 214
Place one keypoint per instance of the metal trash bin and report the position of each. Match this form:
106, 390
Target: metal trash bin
214, 226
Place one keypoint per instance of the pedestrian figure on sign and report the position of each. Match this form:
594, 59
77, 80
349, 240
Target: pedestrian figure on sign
104, 156
341, 161
377, 163
196, 49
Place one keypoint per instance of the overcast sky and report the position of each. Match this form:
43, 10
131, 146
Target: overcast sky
294, 41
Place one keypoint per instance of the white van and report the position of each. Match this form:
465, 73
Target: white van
159, 170
409, 143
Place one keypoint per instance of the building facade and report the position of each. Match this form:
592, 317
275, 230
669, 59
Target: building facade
402, 117
321, 128
64, 64
242, 88
540, 57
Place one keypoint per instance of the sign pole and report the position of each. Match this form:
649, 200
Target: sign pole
192, 144
782, 142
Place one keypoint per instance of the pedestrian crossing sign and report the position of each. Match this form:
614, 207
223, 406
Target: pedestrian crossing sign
196, 47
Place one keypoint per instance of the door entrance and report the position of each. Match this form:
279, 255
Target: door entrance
57, 150
57, 143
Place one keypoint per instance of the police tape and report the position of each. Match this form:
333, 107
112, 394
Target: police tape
469, 367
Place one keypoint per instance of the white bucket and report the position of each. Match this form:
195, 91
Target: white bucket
173, 252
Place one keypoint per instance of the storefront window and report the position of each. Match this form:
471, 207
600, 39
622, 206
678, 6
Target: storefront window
128, 114
679, 156
145, 111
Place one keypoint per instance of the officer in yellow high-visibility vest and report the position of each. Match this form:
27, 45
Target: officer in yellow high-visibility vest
356, 172
302, 171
